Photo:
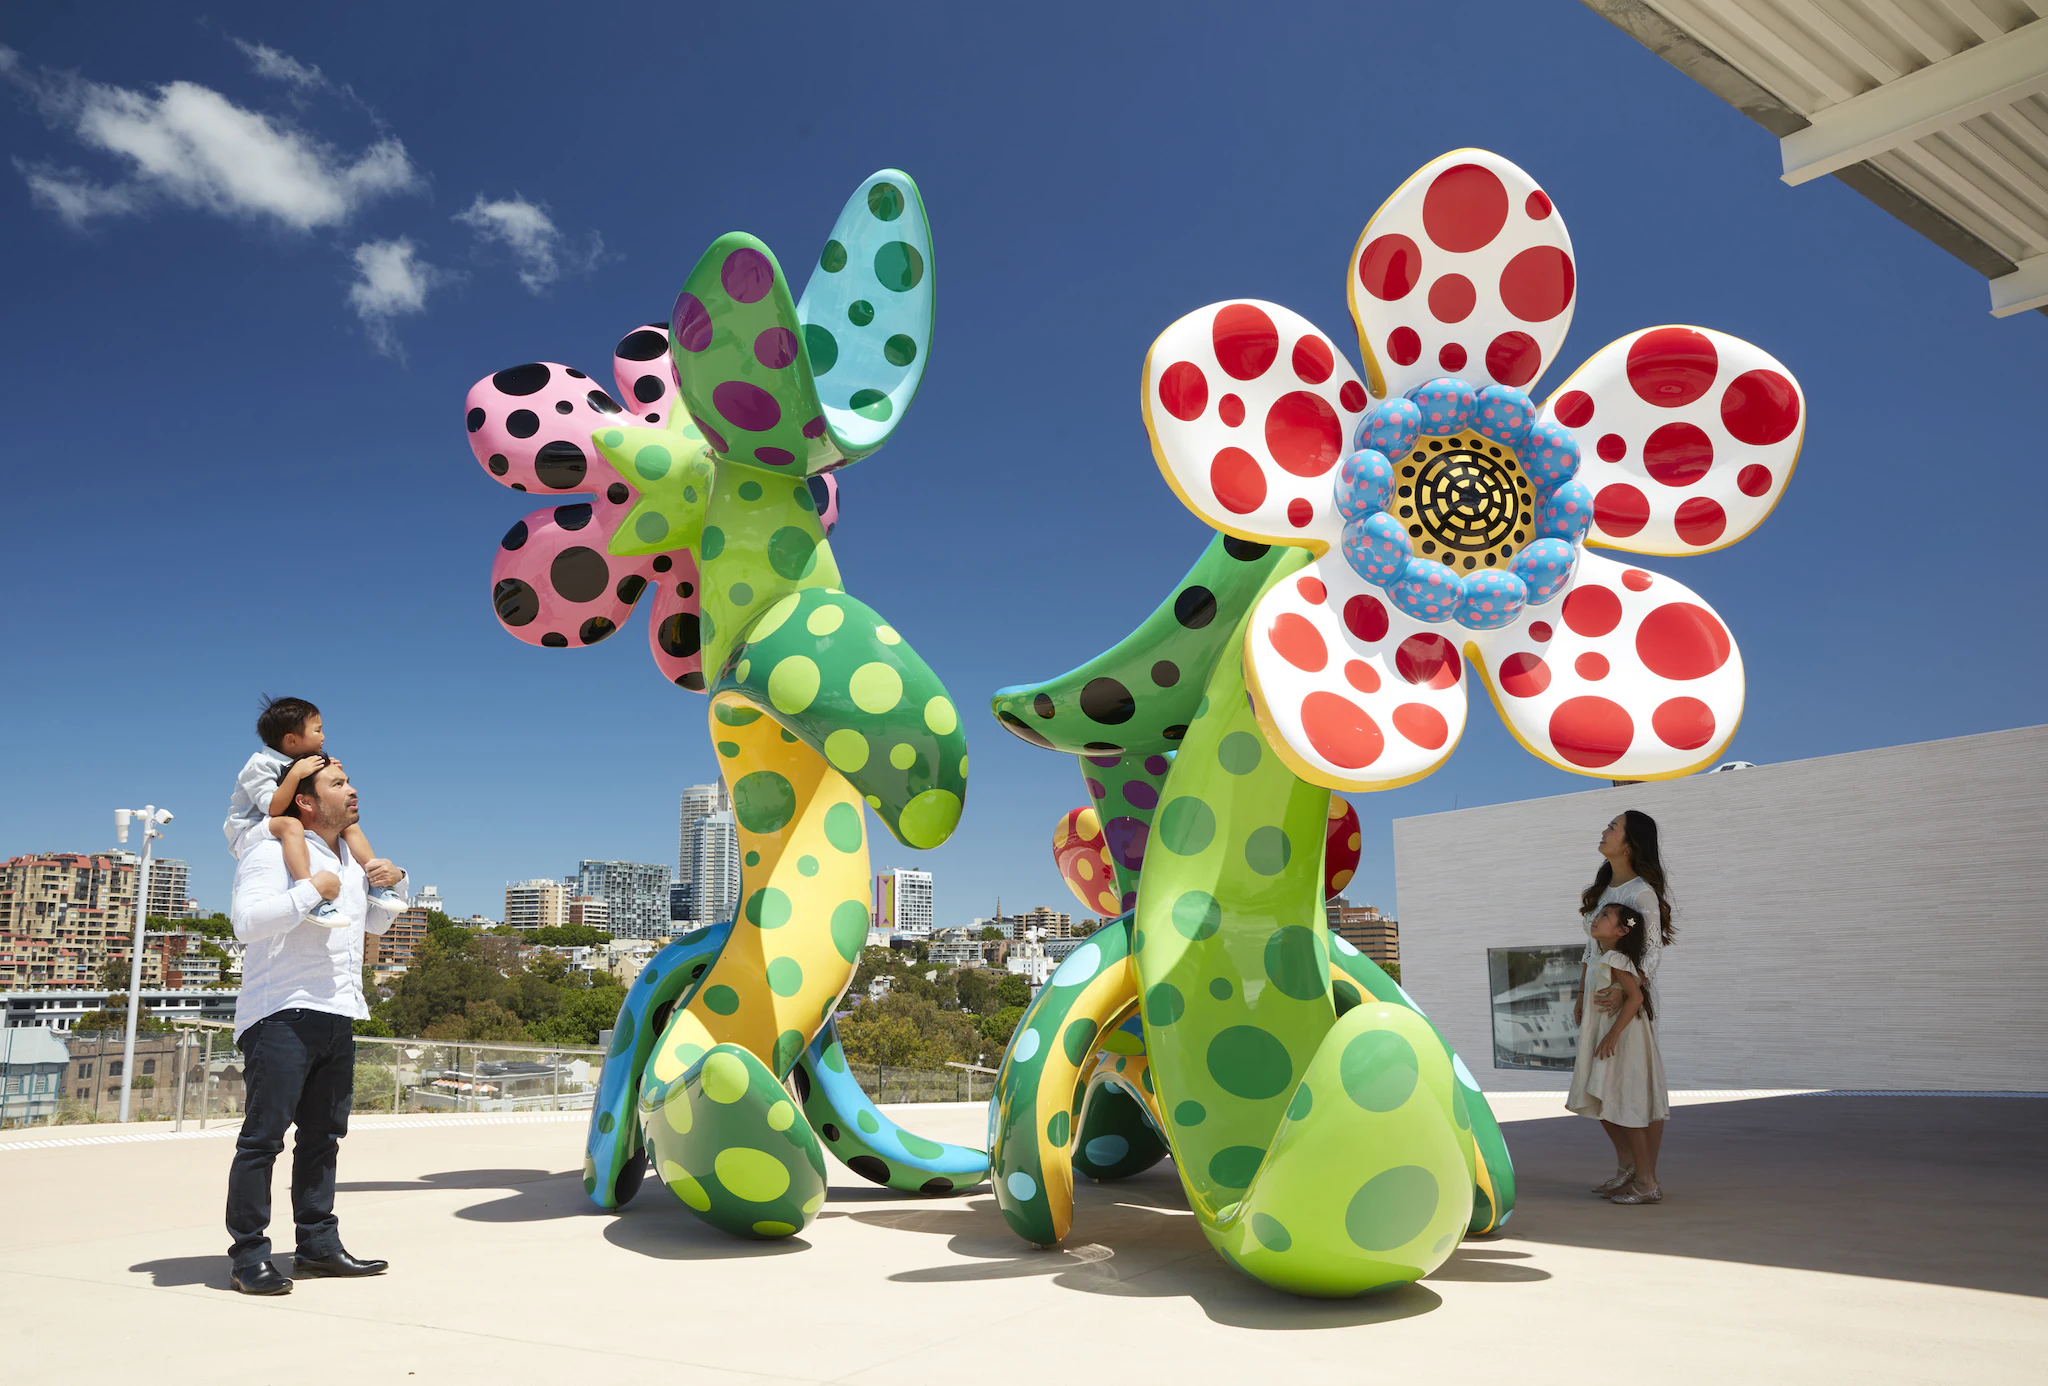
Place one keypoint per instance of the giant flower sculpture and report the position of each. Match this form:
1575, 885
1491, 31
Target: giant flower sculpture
715, 492
1455, 532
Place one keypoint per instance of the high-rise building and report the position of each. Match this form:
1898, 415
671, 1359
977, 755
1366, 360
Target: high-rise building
590, 912
536, 904
1366, 929
699, 801
714, 867
169, 887
59, 911
635, 891
903, 902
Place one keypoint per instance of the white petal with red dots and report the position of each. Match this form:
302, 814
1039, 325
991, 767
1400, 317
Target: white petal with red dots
1351, 693
1466, 270
1250, 409
1687, 437
1629, 677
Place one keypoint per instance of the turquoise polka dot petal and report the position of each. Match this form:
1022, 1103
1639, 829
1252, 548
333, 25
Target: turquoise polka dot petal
1464, 1073
1027, 1046
1079, 968
1022, 1186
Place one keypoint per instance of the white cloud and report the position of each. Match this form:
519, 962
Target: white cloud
538, 246
392, 283
190, 145
268, 62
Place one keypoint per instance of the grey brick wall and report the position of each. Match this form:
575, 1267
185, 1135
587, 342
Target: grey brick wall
1871, 920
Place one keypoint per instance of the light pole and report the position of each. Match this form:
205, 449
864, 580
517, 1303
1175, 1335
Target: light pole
152, 819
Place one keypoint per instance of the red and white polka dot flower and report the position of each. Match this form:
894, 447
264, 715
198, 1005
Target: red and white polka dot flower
1453, 533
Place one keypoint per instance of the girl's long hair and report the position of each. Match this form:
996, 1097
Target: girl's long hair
1631, 947
1639, 830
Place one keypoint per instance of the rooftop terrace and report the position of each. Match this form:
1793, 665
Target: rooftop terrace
1810, 1238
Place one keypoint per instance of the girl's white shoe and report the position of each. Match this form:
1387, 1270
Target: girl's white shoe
1633, 1195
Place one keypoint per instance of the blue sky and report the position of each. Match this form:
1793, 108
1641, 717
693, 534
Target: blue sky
236, 355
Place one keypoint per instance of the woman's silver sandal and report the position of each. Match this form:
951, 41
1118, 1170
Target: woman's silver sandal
1619, 1182
1655, 1195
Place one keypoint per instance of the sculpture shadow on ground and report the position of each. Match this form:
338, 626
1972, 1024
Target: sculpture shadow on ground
1139, 1242
1934, 1190
175, 1272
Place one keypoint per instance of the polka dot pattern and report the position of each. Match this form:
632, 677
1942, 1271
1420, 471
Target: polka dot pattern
1336, 721
1467, 268
1635, 656
1690, 436
1258, 463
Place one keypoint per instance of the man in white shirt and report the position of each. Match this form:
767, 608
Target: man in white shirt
302, 989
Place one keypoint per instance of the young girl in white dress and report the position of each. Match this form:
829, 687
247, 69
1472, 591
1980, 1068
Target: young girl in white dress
1619, 1078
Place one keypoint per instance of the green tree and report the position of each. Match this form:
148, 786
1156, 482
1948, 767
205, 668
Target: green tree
1081, 928
114, 973
447, 974
1013, 990
570, 936
1392, 969
977, 990
990, 933
998, 1028
582, 1014
480, 1022
909, 1031
213, 926
114, 1017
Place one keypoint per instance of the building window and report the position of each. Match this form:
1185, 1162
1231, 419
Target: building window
114, 1068
1532, 990
149, 1065
85, 1070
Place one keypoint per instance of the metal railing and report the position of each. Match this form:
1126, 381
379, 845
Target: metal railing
203, 1080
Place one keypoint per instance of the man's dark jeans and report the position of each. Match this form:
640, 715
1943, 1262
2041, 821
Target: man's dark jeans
299, 1068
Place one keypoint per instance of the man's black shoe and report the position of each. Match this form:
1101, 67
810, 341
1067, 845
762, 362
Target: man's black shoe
338, 1264
260, 1279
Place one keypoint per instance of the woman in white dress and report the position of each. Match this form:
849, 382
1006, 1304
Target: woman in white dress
1631, 873
1619, 1077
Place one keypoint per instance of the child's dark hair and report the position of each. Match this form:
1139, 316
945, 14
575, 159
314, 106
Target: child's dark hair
1630, 946
281, 717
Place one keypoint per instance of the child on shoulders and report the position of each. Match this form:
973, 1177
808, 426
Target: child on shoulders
292, 737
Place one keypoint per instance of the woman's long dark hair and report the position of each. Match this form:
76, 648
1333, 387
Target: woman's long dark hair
1639, 830
1631, 947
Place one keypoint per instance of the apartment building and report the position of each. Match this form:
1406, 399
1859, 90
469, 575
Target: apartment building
902, 904
1366, 929
59, 914
535, 904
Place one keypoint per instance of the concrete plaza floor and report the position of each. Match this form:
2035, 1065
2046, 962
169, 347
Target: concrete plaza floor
1811, 1239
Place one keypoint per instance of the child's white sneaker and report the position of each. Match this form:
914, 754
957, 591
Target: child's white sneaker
326, 915
386, 897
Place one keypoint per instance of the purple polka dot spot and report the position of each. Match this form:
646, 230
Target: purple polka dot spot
1155, 765
747, 406
1141, 795
691, 324
774, 457
711, 435
747, 276
1108, 762
1130, 899
775, 348
815, 428
1095, 789
1127, 838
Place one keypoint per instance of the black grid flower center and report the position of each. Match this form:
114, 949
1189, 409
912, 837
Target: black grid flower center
1465, 501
